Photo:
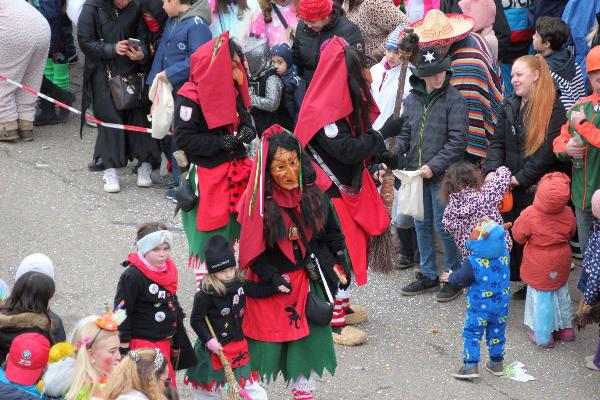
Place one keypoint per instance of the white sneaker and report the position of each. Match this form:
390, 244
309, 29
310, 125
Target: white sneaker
143, 172
111, 181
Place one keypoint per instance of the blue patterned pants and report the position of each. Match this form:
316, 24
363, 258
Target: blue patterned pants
493, 323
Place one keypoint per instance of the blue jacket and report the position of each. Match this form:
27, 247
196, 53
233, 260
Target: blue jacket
12, 391
580, 15
181, 37
486, 272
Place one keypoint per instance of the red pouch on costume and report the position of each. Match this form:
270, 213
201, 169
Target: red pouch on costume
236, 353
366, 207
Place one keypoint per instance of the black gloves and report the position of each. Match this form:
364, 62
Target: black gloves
392, 127
246, 133
390, 159
278, 280
231, 143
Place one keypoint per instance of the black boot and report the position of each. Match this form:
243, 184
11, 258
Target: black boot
46, 114
64, 96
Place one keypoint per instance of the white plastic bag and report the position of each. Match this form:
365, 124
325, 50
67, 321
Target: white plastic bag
410, 194
161, 112
74, 9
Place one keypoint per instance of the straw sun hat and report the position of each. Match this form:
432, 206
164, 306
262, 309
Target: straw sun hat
439, 29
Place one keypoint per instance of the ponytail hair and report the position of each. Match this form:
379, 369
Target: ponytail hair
538, 110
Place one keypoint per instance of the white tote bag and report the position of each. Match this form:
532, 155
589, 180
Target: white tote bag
410, 194
161, 112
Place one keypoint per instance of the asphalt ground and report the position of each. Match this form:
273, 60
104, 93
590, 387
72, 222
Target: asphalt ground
51, 203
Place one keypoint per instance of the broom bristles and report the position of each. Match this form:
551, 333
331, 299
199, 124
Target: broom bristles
380, 256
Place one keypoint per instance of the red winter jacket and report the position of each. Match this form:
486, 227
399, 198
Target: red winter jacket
545, 228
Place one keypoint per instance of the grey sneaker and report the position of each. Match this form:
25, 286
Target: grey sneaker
111, 181
143, 175
448, 293
467, 373
495, 368
421, 285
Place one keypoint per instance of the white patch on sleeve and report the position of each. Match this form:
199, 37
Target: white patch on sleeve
185, 113
331, 130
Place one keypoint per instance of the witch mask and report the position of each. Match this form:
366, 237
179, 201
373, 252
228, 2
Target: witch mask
285, 169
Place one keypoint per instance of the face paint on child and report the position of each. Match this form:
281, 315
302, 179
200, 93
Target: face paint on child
105, 354
285, 168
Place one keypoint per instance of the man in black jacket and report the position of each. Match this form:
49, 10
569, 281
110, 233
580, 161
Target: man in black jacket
320, 22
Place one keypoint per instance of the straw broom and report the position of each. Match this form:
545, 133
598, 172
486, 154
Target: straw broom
381, 253
235, 391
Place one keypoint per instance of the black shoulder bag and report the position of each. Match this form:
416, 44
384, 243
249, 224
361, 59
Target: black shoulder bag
126, 89
317, 311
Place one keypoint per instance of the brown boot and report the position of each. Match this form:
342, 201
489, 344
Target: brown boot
9, 131
25, 130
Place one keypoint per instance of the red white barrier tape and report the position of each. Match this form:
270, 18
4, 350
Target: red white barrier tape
76, 111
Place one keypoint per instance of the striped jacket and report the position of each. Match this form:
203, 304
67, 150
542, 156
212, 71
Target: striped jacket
480, 83
567, 75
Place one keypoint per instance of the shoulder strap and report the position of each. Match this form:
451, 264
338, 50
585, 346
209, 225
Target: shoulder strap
279, 15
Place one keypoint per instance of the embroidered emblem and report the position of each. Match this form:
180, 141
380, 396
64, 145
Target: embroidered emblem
293, 233
226, 325
181, 46
240, 291
225, 311
553, 275
162, 294
156, 305
331, 130
153, 288
224, 334
185, 113
26, 354
236, 299
159, 316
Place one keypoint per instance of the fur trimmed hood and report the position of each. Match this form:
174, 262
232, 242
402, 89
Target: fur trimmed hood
25, 321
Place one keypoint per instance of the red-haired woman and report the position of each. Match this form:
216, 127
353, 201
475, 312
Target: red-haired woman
530, 120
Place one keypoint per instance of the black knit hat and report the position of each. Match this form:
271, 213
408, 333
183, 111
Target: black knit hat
218, 255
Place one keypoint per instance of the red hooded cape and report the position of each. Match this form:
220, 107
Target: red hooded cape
251, 209
328, 97
211, 85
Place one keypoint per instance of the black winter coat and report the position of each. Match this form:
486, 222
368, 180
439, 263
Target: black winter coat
202, 146
226, 312
328, 246
344, 154
307, 43
100, 27
12, 326
435, 127
507, 144
152, 311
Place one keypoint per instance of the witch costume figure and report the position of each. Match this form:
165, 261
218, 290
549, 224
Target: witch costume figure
334, 125
286, 220
212, 125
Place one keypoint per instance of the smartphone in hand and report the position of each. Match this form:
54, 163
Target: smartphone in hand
134, 43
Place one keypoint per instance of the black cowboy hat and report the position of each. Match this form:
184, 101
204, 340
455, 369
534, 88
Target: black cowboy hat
430, 62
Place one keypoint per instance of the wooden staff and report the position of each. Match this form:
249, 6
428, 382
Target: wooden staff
380, 256
235, 391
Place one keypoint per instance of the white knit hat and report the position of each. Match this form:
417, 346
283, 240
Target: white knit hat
36, 263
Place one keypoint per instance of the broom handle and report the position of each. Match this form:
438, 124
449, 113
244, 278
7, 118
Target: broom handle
399, 95
224, 359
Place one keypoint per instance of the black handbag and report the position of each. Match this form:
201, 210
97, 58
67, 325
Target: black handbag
126, 90
184, 195
317, 311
